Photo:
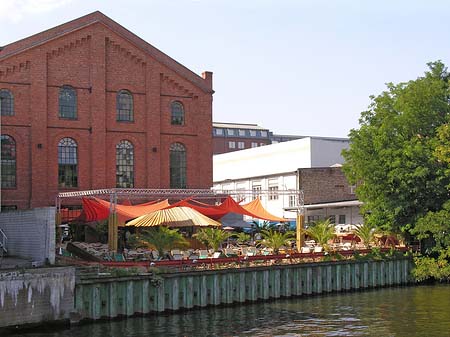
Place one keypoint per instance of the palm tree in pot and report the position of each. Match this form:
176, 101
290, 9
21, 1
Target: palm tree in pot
212, 237
321, 231
275, 239
163, 239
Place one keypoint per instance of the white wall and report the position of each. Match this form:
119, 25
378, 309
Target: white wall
264, 160
287, 181
278, 158
326, 152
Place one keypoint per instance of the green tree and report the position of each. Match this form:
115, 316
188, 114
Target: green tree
275, 239
321, 231
163, 239
212, 237
392, 157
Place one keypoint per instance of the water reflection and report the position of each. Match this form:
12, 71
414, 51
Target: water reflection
410, 311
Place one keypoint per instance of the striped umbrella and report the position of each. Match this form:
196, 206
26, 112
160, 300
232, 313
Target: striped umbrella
174, 217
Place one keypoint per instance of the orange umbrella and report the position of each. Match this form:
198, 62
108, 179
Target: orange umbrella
174, 217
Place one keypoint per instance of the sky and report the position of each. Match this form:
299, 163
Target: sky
299, 67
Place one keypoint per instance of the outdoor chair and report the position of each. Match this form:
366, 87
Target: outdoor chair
155, 255
305, 250
229, 252
176, 254
203, 254
194, 256
251, 251
118, 257
318, 249
266, 251
216, 255
347, 246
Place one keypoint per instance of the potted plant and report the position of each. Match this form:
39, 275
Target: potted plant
163, 239
321, 231
366, 233
275, 239
212, 237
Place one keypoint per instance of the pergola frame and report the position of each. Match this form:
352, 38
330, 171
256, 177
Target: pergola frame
113, 194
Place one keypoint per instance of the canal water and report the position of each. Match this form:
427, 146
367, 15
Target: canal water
402, 311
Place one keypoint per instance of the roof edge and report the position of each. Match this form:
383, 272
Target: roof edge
204, 83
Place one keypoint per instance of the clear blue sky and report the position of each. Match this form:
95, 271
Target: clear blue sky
302, 67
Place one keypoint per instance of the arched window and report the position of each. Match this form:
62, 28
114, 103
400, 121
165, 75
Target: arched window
177, 166
6, 103
177, 113
8, 161
67, 102
67, 163
124, 106
124, 164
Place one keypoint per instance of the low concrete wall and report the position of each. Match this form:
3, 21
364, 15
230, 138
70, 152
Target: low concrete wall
97, 298
31, 233
36, 295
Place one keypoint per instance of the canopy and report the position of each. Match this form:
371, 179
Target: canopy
255, 207
98, 209
174, 217
211, 211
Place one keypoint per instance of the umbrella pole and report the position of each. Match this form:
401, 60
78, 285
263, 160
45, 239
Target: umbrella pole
300, 231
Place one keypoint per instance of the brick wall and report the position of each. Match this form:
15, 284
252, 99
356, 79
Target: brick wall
98, 60
31, 233
327, 184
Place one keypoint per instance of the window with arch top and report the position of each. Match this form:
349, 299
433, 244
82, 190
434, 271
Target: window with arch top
124, 106
124, 164
177, 166
67, 102
67, 163
176, 113
6, 103
8, 161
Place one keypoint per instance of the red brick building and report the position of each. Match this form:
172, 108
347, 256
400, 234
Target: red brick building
229, 137
90, 105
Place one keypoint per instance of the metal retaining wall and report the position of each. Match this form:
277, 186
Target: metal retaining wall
97, 298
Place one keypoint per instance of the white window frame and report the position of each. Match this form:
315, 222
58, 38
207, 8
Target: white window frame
231, 145
241, 145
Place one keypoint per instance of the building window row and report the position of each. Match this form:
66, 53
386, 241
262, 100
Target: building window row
68, 164
241, 145
240, 132
67, 105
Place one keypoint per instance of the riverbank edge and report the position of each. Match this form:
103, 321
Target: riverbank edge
110, 298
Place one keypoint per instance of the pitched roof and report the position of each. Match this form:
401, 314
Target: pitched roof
98, 17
